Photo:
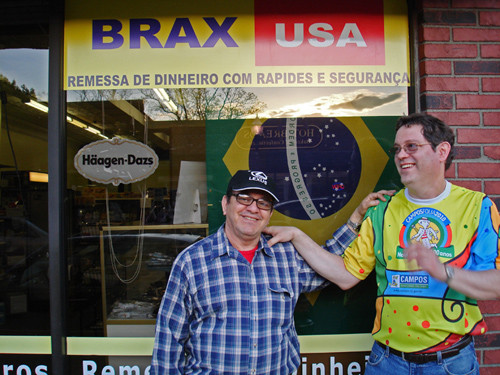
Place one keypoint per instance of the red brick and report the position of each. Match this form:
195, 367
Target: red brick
436, 101
491, 84
479, 355
490, 51
449, 51
468, 184
435, 67
478, 135
450, 172
475, 4
450, 84
448, 17
476, 35
435, 34
489, 340
458, 118
479, 170
492, 187
492, 152
489, 370
491, 118
467, 152
493, 322
465, 101
477, 67
489, 307
491, 357
489, 18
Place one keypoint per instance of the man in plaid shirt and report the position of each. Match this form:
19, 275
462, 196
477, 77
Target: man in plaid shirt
229, 303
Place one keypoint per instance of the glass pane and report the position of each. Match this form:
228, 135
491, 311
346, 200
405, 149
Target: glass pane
24, 284
124, 237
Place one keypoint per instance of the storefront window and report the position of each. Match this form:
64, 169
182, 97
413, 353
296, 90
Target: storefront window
24, 283
124, 237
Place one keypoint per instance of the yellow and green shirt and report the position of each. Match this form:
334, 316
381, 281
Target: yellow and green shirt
415, 312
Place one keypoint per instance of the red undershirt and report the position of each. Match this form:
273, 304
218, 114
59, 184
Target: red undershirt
249, 254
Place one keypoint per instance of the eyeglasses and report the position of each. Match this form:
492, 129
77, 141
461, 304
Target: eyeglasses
410, 148
247, 200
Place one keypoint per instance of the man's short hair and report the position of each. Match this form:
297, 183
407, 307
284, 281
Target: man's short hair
434, 130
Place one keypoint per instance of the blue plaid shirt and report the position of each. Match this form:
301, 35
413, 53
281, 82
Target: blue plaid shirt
223, 315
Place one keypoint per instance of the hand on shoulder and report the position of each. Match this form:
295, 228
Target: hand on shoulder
370, 200
281, 234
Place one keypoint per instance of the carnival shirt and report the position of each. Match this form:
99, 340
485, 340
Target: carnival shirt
415, 312
221, 314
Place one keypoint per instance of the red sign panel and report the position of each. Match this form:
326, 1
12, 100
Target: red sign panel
296, 33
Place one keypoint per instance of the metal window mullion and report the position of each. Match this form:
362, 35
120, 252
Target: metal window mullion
56, 190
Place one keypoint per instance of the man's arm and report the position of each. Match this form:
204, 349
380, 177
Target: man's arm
474, 284
172, 327
480, 282
328, 265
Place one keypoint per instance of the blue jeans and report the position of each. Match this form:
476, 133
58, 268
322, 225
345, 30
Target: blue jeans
381, 362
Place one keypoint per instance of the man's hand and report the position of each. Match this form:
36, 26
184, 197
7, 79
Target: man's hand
370, 200
426, 259
281, 234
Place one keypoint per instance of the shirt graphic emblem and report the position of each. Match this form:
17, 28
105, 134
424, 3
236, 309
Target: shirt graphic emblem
430, 228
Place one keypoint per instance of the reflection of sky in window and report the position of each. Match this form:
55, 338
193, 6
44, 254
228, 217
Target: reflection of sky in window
29, 67
333, 101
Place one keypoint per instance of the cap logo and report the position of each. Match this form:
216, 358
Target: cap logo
259, 177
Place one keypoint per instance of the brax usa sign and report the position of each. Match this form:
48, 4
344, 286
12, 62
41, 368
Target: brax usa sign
196, 43
319, 33
116, 161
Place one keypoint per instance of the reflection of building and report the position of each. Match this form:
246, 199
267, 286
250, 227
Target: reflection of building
454, 70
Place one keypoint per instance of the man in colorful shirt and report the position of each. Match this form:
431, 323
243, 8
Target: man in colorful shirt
435, 249
229, 303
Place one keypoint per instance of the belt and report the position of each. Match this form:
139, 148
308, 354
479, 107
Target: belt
430, 357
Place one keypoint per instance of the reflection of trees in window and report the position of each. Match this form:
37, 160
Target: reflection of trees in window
206, 104
12, 89
186, 103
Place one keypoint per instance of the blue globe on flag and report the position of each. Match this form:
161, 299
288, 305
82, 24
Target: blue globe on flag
315, 162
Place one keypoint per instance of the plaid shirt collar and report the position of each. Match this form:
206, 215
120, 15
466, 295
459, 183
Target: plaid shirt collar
221, 245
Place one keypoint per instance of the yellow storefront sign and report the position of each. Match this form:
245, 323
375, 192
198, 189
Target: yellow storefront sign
120, 44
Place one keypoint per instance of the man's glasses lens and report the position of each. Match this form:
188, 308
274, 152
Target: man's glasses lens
409, 148
247, 200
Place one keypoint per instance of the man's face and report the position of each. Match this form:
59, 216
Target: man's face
420, 169
245, 223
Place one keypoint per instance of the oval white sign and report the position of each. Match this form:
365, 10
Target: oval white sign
116, 161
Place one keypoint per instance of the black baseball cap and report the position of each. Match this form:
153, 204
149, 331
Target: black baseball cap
252, 180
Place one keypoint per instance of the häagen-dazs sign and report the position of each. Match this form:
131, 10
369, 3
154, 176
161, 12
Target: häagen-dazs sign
116, 161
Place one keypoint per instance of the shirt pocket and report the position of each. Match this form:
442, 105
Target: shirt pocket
280, 305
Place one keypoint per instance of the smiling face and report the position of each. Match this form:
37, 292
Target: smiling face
422, 172
244, 224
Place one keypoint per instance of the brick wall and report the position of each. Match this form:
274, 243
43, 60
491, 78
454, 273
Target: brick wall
458, 77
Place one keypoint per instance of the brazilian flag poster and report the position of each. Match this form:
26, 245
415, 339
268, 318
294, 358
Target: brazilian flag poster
323, 168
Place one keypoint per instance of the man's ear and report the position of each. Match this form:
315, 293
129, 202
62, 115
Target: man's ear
443, 149
224, 204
